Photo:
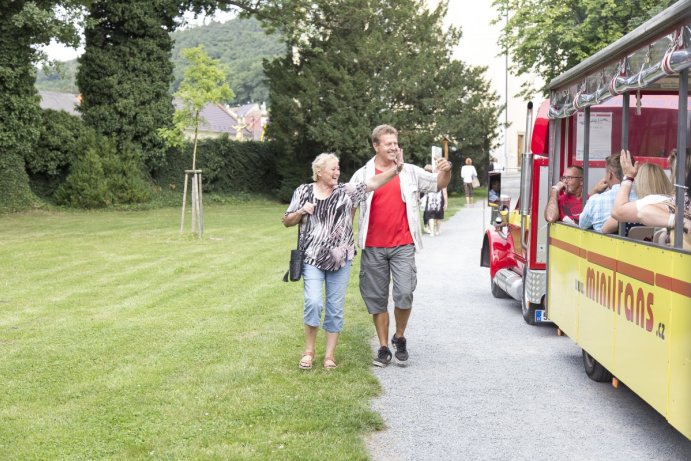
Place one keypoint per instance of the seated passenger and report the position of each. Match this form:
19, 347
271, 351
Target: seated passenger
494, 190
663, 214
652, 187
564, 202
598, 208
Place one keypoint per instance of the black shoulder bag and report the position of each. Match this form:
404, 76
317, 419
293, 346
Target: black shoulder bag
294, 271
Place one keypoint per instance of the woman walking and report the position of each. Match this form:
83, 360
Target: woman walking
468, 173
324, 210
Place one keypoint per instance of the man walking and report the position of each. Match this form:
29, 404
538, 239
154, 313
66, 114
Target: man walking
389, 235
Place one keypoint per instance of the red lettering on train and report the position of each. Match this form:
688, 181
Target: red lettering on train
604, 288
628, 302
640, 307
649, 307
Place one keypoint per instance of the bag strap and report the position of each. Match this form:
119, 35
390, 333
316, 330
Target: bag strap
299, 232
303, 220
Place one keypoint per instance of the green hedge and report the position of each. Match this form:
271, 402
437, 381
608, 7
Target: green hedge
228, 166
72, 165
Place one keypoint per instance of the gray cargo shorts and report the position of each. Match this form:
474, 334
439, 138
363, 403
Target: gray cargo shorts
377, 267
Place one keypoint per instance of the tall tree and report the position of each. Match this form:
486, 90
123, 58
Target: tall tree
23, 26
125, 72
354, 64
547, 37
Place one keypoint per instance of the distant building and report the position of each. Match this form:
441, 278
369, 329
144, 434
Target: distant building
253, 117
241, 123
215, 121
67, 102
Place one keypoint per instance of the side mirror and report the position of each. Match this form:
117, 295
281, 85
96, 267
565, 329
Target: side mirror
494, 189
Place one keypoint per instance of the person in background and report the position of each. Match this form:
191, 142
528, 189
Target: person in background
468, 172
672, 160
389, 235
425, 216
423, 206
598, 208
435, 206
564, 202
327, 208
494, 164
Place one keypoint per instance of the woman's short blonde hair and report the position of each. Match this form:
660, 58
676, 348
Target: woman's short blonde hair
320, 162
651, 179
469, 161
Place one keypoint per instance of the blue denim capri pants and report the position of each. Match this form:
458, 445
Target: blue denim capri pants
336, 283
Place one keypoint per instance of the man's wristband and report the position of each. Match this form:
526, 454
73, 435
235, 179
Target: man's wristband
628, 178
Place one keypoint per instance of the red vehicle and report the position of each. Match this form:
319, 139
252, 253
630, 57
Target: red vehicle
515, 246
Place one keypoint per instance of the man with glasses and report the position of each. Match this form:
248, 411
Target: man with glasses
565, 197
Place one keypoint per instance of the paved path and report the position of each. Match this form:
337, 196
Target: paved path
482, 384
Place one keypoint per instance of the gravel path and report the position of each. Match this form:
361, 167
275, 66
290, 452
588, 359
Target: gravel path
482, 384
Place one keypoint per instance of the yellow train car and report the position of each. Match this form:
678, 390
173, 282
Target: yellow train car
628, 305
627, 302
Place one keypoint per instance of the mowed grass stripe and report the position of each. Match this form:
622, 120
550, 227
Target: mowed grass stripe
144, 344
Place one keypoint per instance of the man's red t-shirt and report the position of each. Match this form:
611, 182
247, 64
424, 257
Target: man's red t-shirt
388, 220
569, 205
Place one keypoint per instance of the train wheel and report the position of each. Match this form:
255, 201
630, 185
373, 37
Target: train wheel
528, 309
498, 292
594, 370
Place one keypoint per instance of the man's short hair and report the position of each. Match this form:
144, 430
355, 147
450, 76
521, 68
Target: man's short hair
613, 163
577, 168
381, 130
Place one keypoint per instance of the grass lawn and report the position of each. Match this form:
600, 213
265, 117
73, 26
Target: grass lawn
122, 340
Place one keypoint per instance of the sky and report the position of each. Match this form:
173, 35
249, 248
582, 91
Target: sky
478, 47
474, 21
59, 52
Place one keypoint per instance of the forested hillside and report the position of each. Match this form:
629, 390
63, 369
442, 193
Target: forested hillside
240, 45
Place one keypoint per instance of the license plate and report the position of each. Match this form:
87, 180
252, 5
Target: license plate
541, 316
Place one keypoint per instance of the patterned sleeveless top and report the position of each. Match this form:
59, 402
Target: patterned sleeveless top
327, 235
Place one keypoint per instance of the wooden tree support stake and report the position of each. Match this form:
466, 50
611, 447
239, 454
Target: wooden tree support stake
197, 202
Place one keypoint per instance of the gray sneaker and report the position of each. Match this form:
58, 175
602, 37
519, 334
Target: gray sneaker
383, 357
401, 350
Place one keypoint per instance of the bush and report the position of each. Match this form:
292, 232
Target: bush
58, 145
61, 140
101, 177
